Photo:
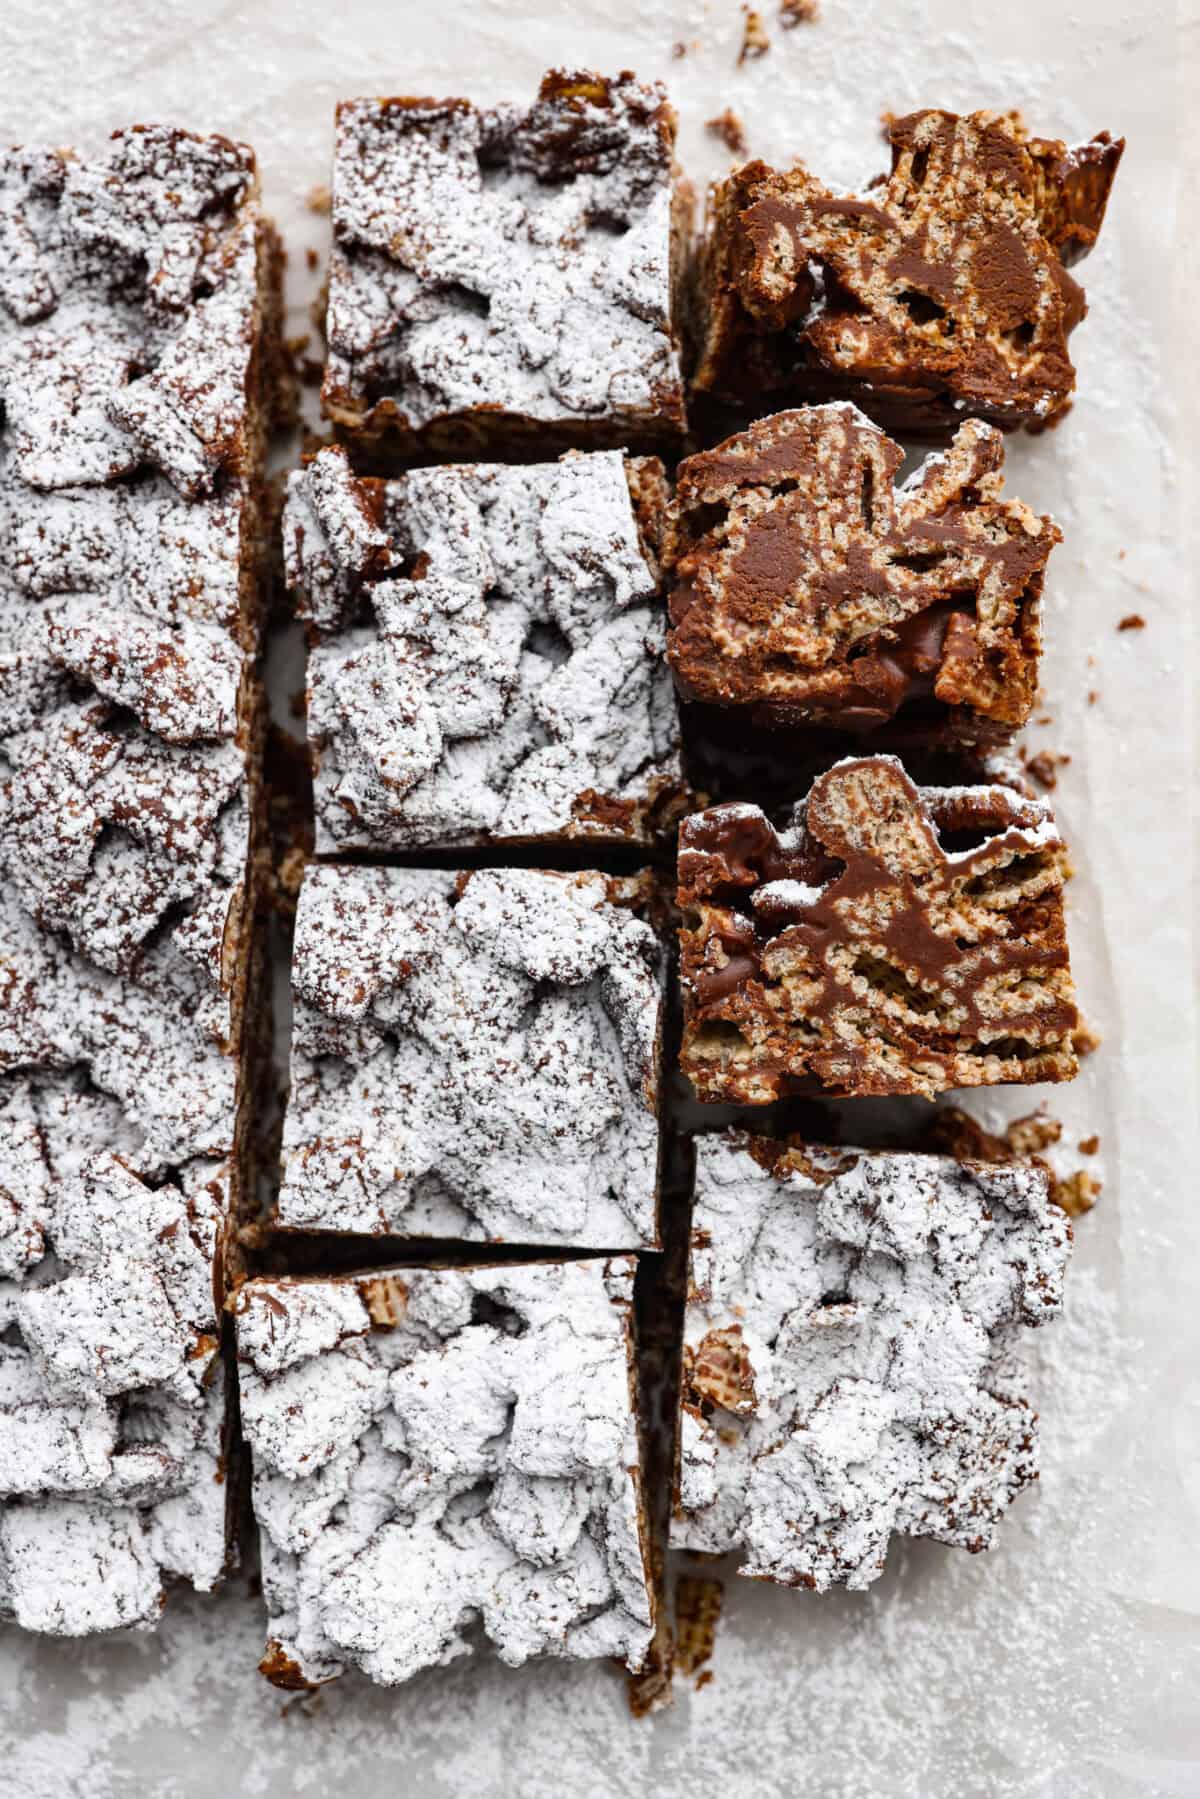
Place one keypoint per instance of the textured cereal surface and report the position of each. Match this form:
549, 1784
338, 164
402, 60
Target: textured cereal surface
131, 302
486, 655
809, 588
895, 939
473, 1057
849, 1370
941, 289
444, 1454
506, 262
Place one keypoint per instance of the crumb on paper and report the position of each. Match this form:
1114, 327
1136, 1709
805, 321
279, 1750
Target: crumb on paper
728, 127
755, 42
649, 1691
319, 199
679, 51
1084, 1040
312, 259
1089, 1145
1037, 1131
1045, 765
1077, 1193
698, 1600
798, 12
1132, 621
1093, 695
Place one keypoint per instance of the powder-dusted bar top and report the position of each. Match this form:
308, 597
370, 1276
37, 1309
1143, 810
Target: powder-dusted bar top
140, 374
503, 279
474, 1057
848, 1372
895, 939
940, 290
809, 591
119, 1178
486, 660
441, 1448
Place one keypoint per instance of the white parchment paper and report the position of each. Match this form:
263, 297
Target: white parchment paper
1067, 1663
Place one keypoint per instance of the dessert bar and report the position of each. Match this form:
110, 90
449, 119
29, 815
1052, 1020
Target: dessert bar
848, 1360
486, 660
474, 1056
809, 591
941, 290
139, 376
442, 1454
504, 278
895, 939
120, 1161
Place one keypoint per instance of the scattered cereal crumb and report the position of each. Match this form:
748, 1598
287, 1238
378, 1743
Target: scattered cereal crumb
1088, 1146
319, 199
1045, 765
798, 12
1133, 621
1093, 696
703, 1679
1076, 1194
697, 1610
755, 42
1037, 1131
728, 127
678, 51
312, 259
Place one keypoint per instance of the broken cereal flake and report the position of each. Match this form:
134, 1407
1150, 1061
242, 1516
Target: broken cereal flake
721, 1371
728, 127
755, 42
1077, 1193
798, 12
319, 199
1089, 1145
697, 1611
1027, 1136
1133, 621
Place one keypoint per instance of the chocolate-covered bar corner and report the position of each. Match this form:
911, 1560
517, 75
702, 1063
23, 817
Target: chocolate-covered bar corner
847, 1365
810, 591
505, 279
895, 939
941, 290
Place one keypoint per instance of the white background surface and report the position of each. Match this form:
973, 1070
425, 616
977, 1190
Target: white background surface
1066, 1664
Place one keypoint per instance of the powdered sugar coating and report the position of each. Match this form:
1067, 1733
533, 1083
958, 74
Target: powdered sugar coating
487, 659
848, 1367
131, 313
440, 1448
505, 264
473, 1057
111, 1389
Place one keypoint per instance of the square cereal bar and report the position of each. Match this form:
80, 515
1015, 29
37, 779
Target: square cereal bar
808, 591
441, 1453
504, 278
848, 1369
895, 940
139, 377
486, 659
941, 290
475, 1057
